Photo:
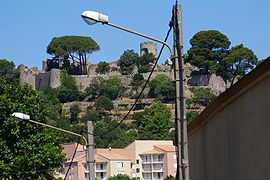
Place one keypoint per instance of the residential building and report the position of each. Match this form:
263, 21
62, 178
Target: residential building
142, 159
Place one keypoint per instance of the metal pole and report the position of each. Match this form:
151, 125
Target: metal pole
180, 114
140, 34
90, 151
59, 129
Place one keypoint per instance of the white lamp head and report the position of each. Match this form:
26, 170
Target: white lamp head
20, 116
92, 17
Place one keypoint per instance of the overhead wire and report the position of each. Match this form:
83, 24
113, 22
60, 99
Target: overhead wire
139, 96
70, 164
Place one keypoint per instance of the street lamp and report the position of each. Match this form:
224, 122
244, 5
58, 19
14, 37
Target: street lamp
24, 117
92, 17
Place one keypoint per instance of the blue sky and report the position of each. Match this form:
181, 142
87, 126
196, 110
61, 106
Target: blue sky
27, 27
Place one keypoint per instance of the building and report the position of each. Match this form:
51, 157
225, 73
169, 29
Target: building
142, 159
230, 138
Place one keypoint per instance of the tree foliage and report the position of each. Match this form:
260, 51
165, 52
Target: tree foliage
202, 96
162, 87
121, 177
68, 91
127, 61
75, 48
8, 71
237, 63
110, 88
208, 48
27, 151
144, 62
104, 103
118, 138
74, 112
102, 68
154, 122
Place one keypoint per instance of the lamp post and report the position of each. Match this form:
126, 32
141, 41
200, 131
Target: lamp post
92, 17
24, 117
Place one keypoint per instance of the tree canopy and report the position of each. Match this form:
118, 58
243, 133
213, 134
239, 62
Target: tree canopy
154, 122
76, 48
27, 151
162, 87
208, 48
102, 68
237, 63
8, 71
127, 61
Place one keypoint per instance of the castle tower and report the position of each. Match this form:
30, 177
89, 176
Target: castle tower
55, 78
28, 76
148, 47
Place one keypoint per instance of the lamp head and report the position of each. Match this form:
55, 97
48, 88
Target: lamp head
20, 116
92, 17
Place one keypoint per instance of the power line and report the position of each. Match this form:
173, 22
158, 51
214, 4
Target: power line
148, 79
70, 164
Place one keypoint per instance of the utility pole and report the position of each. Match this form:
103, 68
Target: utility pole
180, 114
90, 151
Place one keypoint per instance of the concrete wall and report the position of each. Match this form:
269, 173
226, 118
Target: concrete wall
233, 142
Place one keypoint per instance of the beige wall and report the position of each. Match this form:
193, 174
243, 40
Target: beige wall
143, 146
234, 143
114, 170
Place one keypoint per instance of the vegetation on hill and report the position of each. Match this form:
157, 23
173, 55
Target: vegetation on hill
210, 51
71, 48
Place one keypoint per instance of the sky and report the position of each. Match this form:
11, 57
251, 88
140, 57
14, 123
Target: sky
27, 27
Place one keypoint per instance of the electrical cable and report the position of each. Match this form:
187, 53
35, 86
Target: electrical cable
73, 156
139, 96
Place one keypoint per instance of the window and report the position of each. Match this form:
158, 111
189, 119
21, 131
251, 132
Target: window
159, 175
71, 176
101, 175
120, 164
101, 166
159, 157
137, 161
137, 170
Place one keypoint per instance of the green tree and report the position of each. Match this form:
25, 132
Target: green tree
121, 177
27, 151
8, 71
162, 87
208, 48
154, 122
93, 90
169, 178
102, 68
68, 91
144, 62
76, 48
111, 88
191, 115
104, 103
117, 138
237, 63
74, 112
91, 115
127, 61
202, 96
137, 80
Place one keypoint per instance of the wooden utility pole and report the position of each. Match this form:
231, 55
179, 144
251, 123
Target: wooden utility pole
90, 152
180, 114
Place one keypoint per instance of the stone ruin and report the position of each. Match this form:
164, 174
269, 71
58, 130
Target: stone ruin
39, 80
